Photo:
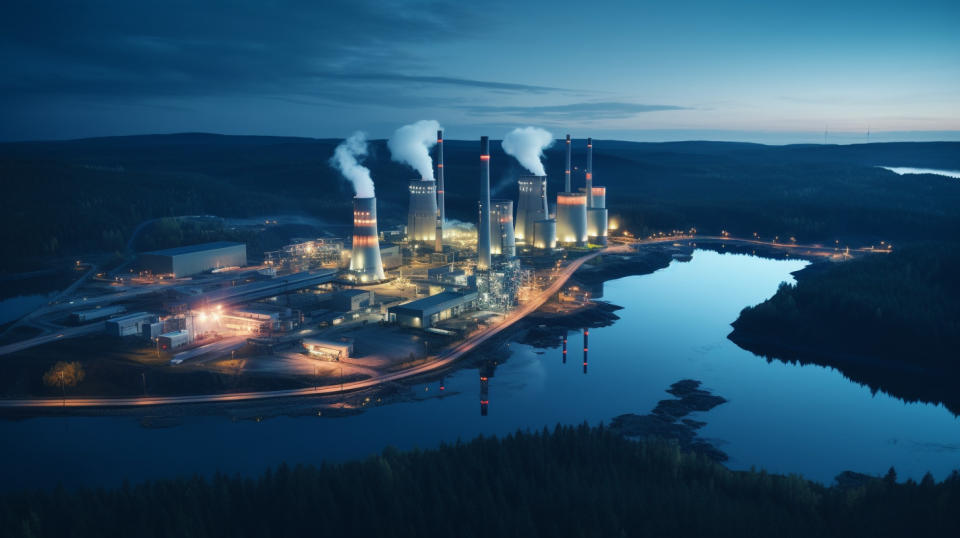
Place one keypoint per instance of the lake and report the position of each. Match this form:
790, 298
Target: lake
781, 417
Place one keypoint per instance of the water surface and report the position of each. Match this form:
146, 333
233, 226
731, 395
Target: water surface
782, 417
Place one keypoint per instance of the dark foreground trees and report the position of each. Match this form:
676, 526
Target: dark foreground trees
574, 481
889, 320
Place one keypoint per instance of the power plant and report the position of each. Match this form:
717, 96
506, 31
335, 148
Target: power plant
365, 259
422, 219
483, 230
531, 205
545, 234
572, 218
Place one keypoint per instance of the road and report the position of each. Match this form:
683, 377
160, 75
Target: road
442, 360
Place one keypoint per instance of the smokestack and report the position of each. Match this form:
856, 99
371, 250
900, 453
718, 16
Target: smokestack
441, 213
365, 260
589, 172
483, 232
566, 173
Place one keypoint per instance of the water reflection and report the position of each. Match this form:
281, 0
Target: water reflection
586, 337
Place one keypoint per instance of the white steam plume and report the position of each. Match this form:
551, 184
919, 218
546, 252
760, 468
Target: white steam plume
345, 159
411, 144
526, 144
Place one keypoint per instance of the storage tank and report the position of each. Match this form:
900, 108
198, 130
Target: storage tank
531, 204
572, 218
545, 234
422, 217
597, 225
365, 260
501, 228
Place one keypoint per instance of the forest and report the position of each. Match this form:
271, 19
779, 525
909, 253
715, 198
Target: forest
572, 481
87, 196
891, 321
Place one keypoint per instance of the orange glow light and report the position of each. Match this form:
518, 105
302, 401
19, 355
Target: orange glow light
576, 199
484, 157
589, 175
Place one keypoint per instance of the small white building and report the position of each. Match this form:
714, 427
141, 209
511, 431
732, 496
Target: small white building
329, 349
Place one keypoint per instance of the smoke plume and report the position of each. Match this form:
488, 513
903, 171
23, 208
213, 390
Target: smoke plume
411, 144
345, 160
526, 144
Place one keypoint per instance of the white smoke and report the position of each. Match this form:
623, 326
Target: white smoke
411, 144
526, 144
345, 159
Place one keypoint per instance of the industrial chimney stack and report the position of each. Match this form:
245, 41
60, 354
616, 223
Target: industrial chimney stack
483, 231
441, 214
365, 260
589, 172
566, 173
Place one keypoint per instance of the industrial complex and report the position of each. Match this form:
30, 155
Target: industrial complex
364, 300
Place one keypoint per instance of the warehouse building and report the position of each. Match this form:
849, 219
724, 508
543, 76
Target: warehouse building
424, 313
131, 324
194, 259
173, 340
352, 299
333, 350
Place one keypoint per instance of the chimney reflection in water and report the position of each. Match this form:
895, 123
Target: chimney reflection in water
586, 336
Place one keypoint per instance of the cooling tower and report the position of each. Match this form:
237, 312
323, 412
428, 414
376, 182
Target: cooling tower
422, 219
589, 172
599, 197
501, 228
545, 234
597, 225
531, 205
566, 172
483, 230
572, 218
441, 212
365, 260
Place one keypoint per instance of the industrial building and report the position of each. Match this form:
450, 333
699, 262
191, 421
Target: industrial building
194, 259
545, 234
173, 340
531, 206
422, 217
424, 313
352, 299
597, 216
390, 255
501, 229
85, 316
572, 218
334, 350
365, 260
131, 324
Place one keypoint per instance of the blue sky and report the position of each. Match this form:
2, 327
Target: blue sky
776, 72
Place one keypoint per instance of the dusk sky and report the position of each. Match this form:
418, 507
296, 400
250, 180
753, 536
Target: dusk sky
762, 71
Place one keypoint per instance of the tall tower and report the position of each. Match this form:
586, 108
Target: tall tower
531, 205
422, 218
566, 173
441, 214
365, 260
483, 230
589, 172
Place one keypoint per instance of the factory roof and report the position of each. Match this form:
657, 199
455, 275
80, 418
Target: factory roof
195, 248
128, 317
436, 301
353, 292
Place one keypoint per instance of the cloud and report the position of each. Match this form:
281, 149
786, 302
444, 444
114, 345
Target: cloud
588, 110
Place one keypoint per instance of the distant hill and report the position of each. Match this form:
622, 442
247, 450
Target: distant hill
68, 197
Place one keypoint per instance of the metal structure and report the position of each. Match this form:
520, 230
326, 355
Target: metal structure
441, 212
365, 260
531, 205
501, 229
483, 230
422, 218
572, 218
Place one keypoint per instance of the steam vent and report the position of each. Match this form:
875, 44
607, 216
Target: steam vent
365, 261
